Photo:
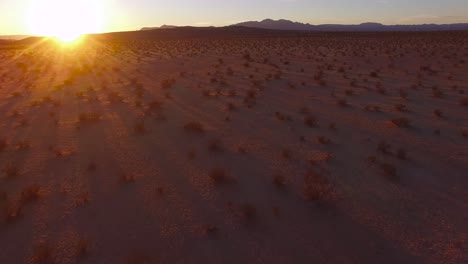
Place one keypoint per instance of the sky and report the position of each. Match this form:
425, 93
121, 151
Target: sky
122, 15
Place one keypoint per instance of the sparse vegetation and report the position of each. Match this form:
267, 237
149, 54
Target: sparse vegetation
318, 188
194, 127
401, 122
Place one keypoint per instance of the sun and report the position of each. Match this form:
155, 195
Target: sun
66, 20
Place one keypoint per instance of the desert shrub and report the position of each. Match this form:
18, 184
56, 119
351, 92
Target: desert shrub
230, 107
82, 247
127, 178
403, 94
248, 212
342, 102
464, 101
349, 92
372, 159
401, 107
384, 147
286, 153
139, 127
402, 154
42, 254
323, 140
3, 144
89, 117
279, 181
372, 108
464, 133
154, 105
437, 93
219, 176
11, 170
401, 122
310, 121
167, 83
317, 187
92, 166
389, 171
194, 127
30, 194
304, 110
215, 145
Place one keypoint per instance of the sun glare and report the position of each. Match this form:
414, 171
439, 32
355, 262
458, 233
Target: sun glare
65, 19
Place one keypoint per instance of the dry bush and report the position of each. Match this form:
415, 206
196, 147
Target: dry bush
318, 188
230, 107
12, 212
154, 106
242, 150
401, 108
401, 122
437, 93
30, 194
43, 254
248, 212
92, 166
390, 172
11, 170
323, 140
280, 116
384, 147
381, 90
349, 92
139, 127
82, 199
3, 144
89, 117
82, 247
464, 101
464, 133
167, 83
219, 176
304, 110
211, 230
372, 108
127, 178
194, 127
438, 113
279, 181
403, 94
191, 154
22, 145
310, 121
402, 154
286, 153
372, 159
342, 102
215, 146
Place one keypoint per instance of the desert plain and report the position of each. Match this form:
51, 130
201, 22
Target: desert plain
235, 146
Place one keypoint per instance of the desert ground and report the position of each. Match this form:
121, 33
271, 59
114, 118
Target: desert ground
229, 148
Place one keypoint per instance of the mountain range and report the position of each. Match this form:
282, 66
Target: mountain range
283, 24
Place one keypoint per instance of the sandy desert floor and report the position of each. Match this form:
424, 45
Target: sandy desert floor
330, 148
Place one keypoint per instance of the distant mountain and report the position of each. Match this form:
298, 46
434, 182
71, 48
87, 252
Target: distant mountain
14, 37
283, 24
161, 27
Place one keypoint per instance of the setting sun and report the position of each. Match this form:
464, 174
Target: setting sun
66, 20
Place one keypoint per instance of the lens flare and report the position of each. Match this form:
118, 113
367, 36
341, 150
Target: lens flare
65, 19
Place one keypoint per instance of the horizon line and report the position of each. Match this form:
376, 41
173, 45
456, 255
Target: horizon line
236, 23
